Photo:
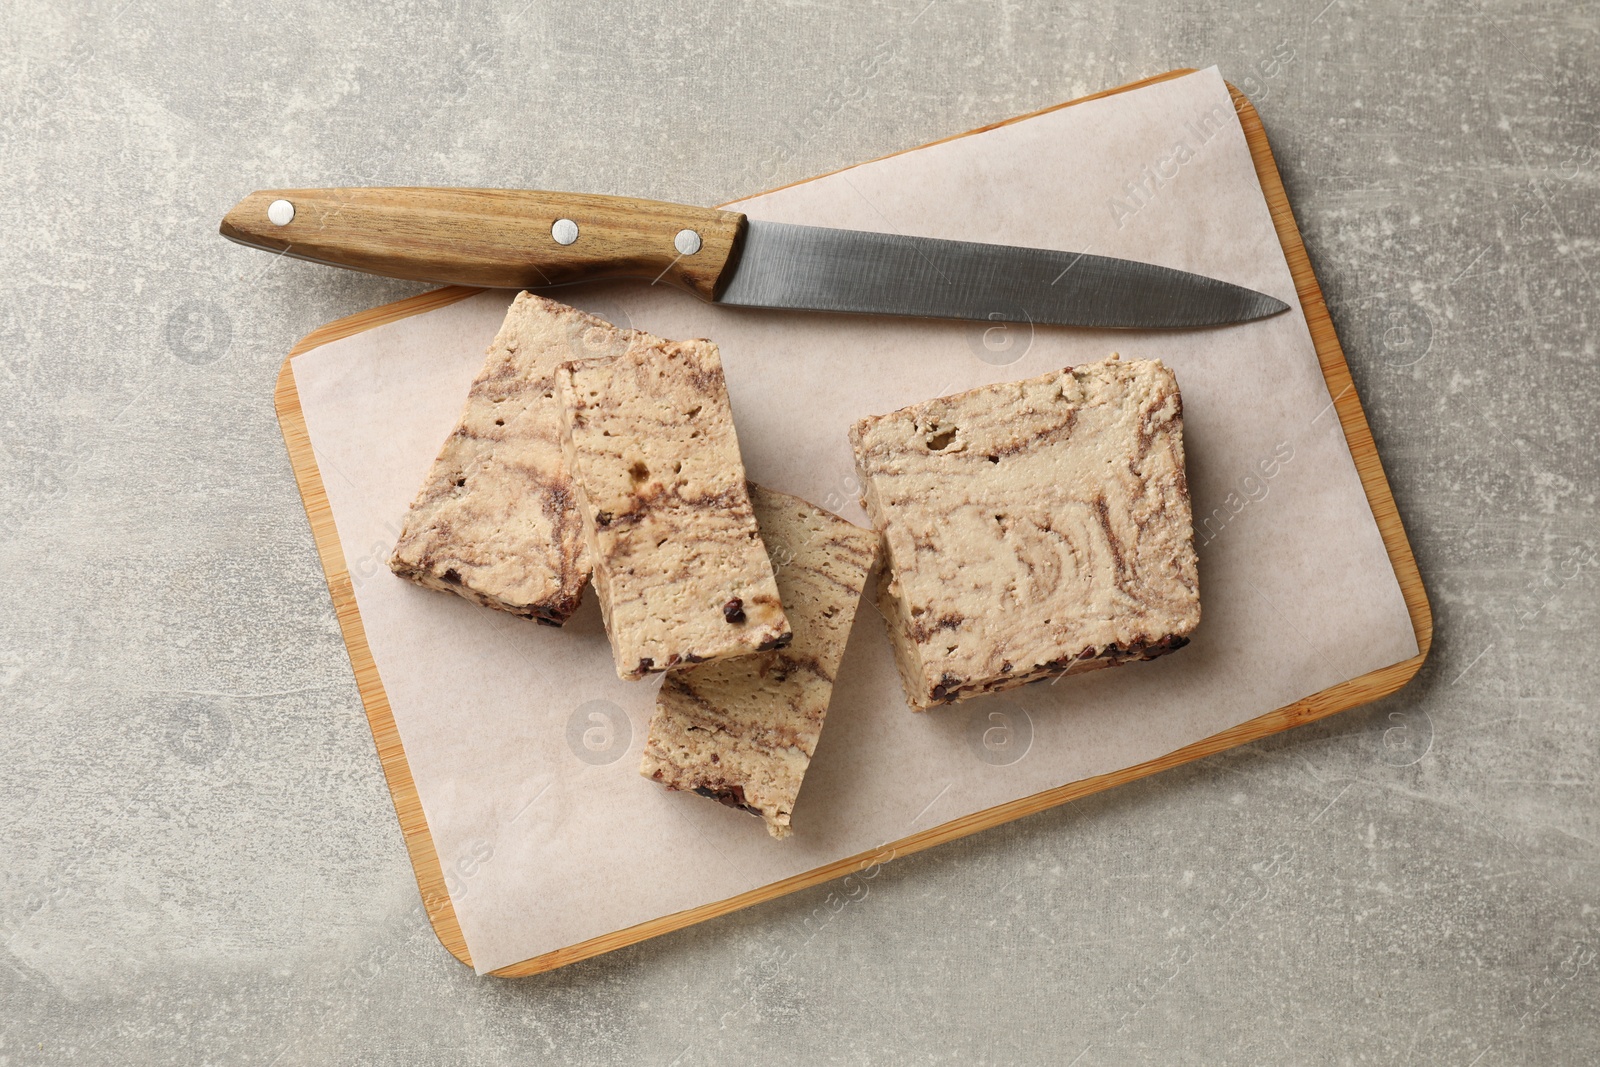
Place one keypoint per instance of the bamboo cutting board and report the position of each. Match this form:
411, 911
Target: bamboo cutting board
419, 841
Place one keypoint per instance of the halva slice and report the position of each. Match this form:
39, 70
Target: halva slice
743, 730
495, 520
679, 565
1032, 528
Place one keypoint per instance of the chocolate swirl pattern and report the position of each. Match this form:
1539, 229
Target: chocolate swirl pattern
495, 520
1032, 528
742, 731
679, 565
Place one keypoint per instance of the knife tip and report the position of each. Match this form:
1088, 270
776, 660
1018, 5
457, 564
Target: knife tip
1263, 306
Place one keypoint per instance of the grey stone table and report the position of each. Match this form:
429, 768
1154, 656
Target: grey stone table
200, 860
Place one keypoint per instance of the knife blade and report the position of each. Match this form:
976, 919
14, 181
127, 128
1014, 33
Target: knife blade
526, 239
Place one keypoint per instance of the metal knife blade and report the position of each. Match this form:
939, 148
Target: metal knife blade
822, 269
515, 238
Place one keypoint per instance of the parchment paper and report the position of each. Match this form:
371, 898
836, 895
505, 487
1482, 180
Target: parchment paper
525, 745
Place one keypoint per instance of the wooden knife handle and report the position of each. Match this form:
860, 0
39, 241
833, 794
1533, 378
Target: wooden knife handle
499, 238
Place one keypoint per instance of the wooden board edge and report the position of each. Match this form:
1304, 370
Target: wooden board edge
362, 321
380, 717
1341, 697
1341, 386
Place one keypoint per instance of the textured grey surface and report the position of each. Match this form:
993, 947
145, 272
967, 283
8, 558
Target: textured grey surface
200, 860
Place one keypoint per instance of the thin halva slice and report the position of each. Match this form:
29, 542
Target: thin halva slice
743, 730
495, 521
679, 565
1032, 528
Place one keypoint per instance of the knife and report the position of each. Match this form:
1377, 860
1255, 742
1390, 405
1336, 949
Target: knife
516, 239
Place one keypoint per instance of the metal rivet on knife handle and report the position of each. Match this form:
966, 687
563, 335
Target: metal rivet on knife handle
280, 212
687, 242
565, 231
